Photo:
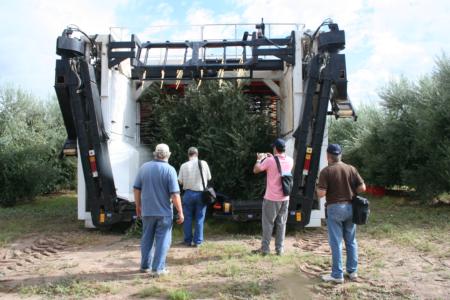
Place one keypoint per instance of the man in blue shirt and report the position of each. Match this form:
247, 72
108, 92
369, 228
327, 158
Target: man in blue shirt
155, 189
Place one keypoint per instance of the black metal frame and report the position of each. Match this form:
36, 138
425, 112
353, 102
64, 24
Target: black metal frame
281, 48
79, 100
327, 81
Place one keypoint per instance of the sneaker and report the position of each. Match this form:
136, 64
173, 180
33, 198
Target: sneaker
196, 245
279, 252
329, 278
160, 273
353, 276
259, 252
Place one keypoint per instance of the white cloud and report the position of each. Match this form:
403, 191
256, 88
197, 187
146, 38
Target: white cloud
164, 9
385, 39
30, 29
397, 38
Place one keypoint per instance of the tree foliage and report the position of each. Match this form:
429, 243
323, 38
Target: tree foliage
406, 141
31, 135
218, 120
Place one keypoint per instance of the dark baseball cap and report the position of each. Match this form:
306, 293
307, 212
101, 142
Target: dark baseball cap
334, 149
280, 144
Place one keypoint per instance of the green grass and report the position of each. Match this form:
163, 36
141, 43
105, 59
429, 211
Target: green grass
45, 214
246, 290
409, 223
74, 288
213, 228
179, 295
152, 291
312, 259
231, 268
222, 251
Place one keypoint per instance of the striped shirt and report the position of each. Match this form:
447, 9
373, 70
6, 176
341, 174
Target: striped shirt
189, 175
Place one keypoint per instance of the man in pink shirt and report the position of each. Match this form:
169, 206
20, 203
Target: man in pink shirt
275, 204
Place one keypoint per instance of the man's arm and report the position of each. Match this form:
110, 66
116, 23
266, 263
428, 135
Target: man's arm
137, 202
208, 172
181, 174
322, 184
359, 182
321, 193
176, 200
361, 188
258, 167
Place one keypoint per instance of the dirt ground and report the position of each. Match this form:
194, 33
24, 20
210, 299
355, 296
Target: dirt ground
89, 264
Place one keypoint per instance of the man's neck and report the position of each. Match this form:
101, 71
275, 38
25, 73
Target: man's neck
161, 160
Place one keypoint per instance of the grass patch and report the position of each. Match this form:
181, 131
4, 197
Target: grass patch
212, 228
246, 290
217, 227
286, 259
74, 288
222, 251
179, 295
232, 268
313, 259
409, 223
152, 291
45, 214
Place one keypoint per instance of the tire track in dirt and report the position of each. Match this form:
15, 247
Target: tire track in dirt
316, 243
13, 260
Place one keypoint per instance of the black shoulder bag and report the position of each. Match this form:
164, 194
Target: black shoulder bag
286, 179
208, 193
361, 210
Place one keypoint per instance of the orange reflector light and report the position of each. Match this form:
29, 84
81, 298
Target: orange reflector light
226, 207
101, 217
298, 216
70, 152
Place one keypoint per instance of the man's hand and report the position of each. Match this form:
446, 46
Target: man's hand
180, 219
260, 156
176, 200
137, 202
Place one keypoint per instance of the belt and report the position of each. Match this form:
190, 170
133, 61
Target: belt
341, 201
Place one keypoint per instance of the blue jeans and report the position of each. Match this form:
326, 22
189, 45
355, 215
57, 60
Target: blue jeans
340, 225
157, 230
194, 212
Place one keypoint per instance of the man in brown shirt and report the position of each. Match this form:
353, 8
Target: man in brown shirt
339, 182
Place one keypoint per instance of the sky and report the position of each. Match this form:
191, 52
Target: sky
384, 39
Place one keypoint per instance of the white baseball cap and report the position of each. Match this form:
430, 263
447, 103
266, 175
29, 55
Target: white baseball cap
162, 148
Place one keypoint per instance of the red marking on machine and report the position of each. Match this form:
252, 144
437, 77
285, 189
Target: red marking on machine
93, 163
307, 162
